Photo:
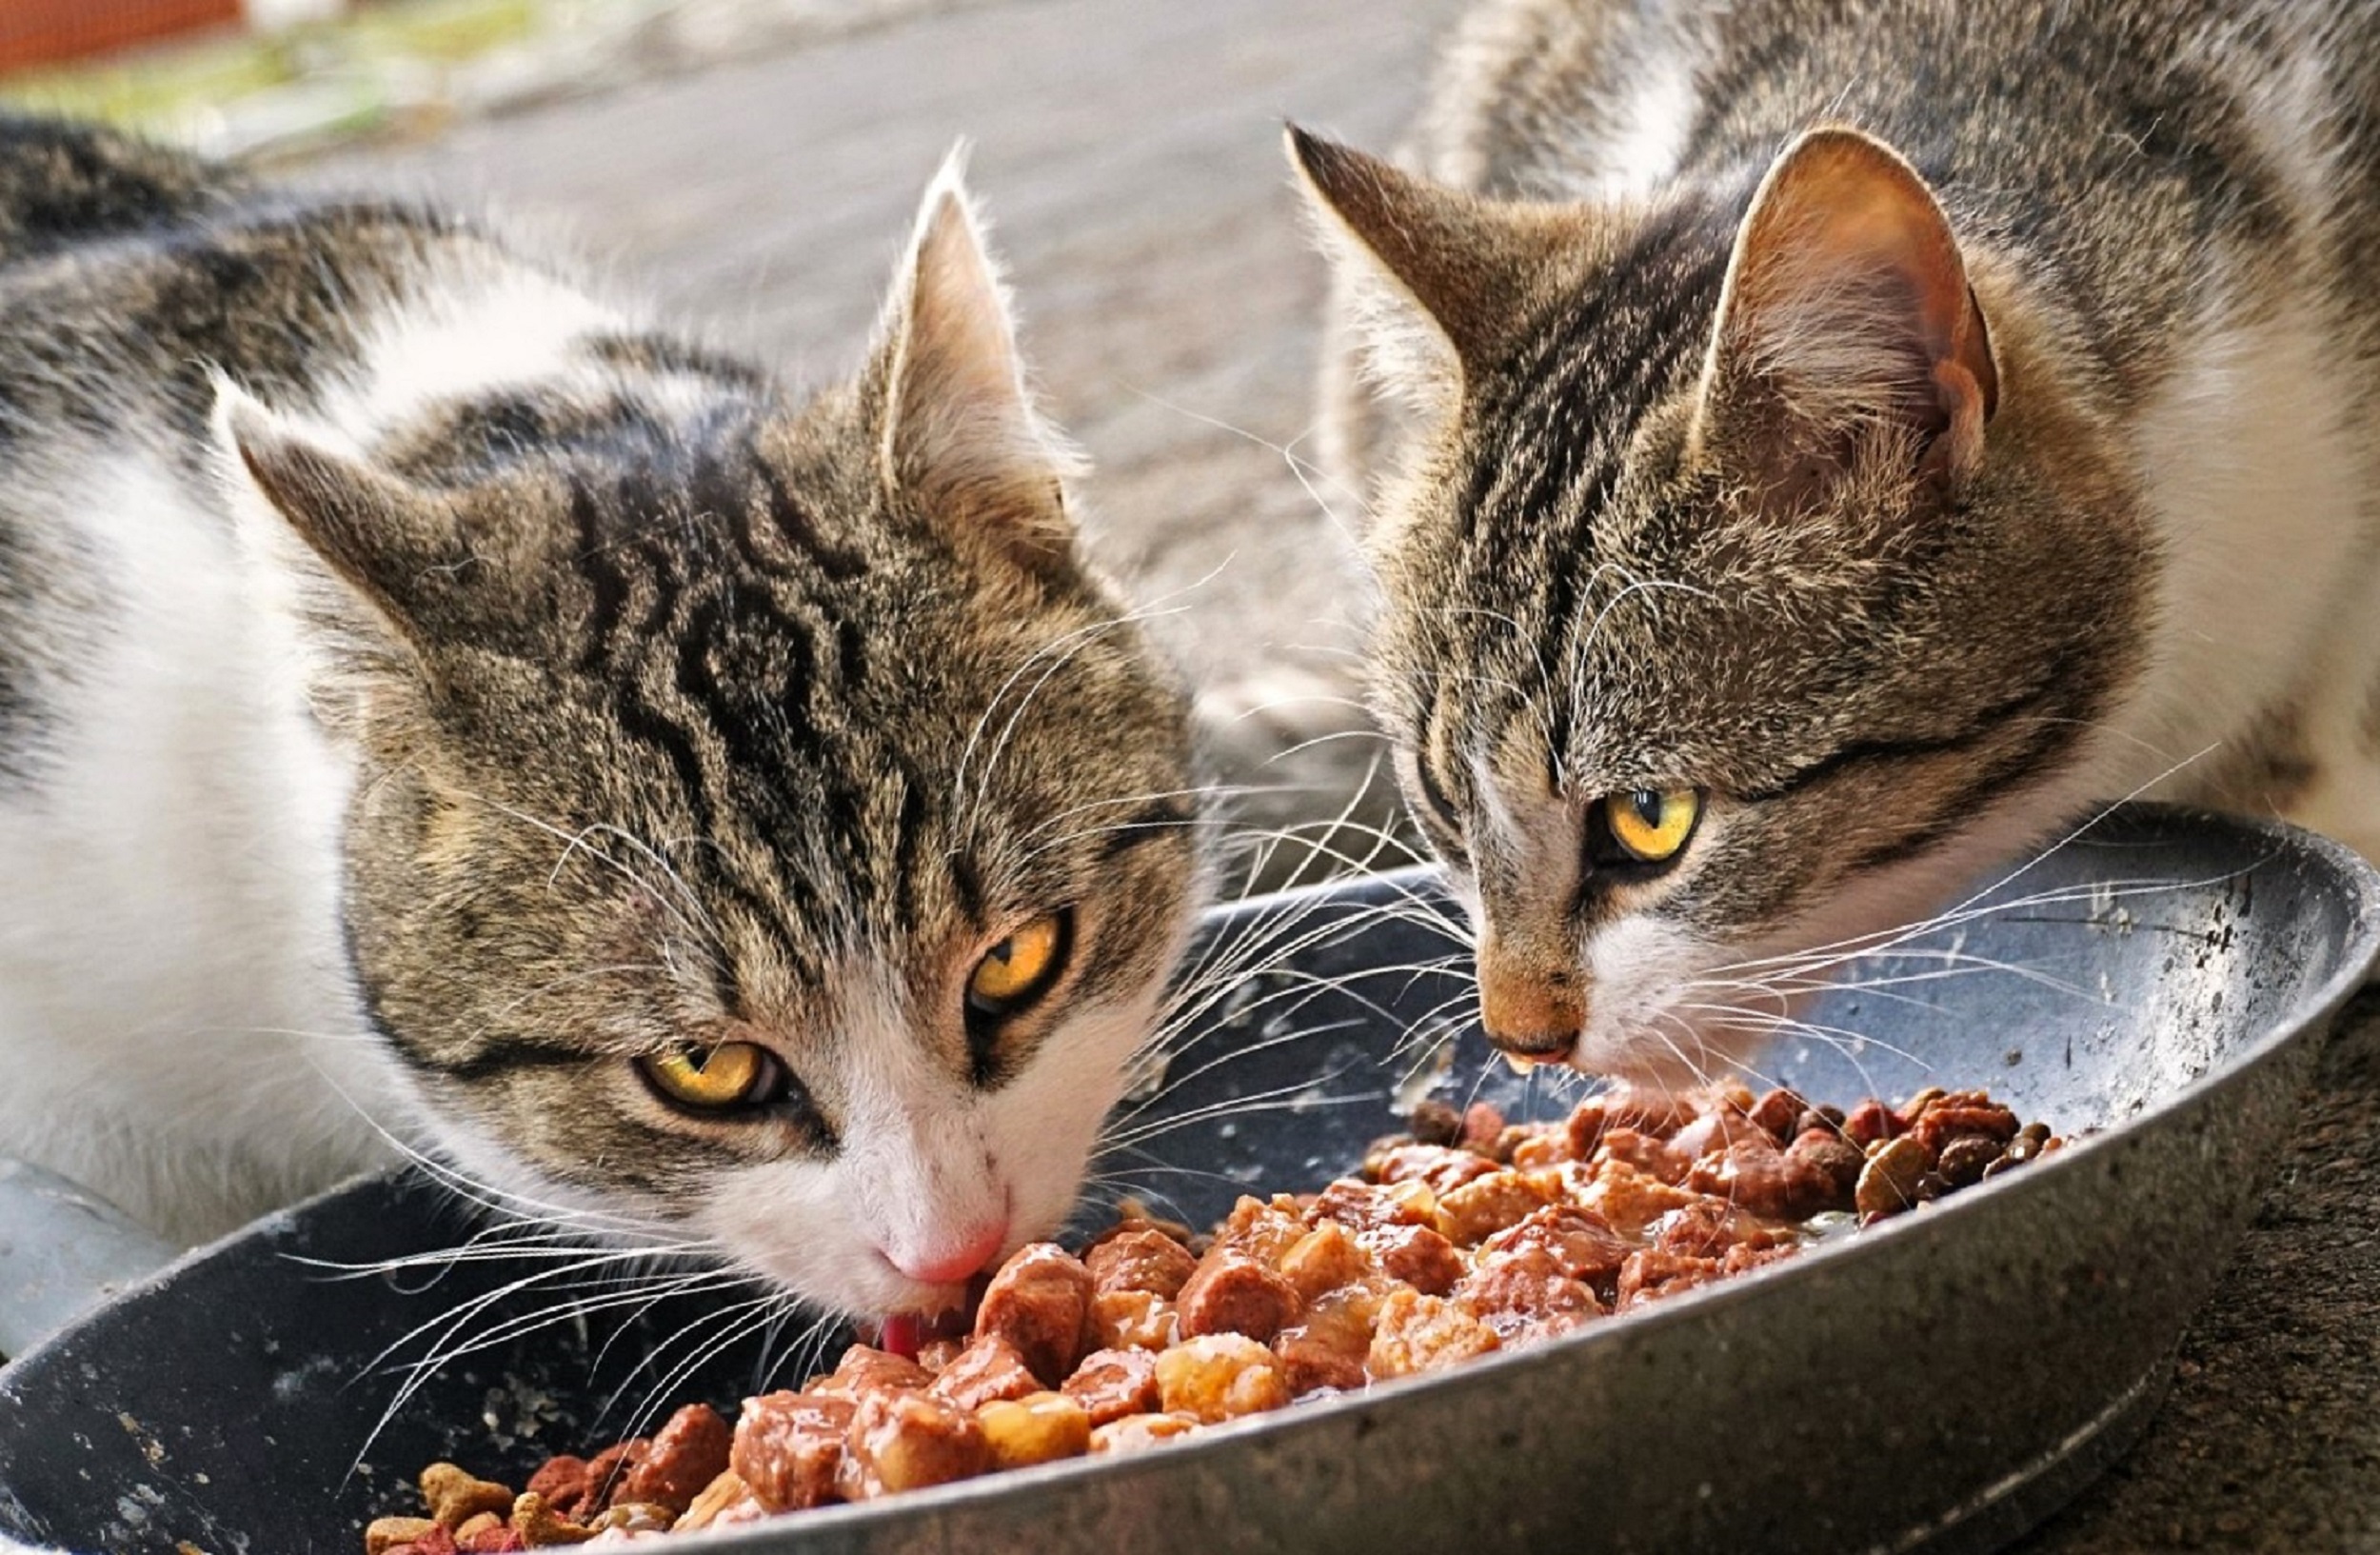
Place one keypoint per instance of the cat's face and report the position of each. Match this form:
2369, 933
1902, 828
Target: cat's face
765, 832
1713, 637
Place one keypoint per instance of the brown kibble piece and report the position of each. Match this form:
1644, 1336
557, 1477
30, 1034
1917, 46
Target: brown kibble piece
1441, 1169
1481, 1208
1040, 1303
562, 1480
1262, 1230
1533, 1152
1132, 1320
1149, 1261
1708, 1228
1526, 1298
866, 1369
1231, 1293
719, 1503
473, 1527
1752, 1174
1483, 1129
1889, 1183
687, 1454
1583, 1247
1334, 1337
1653, 1157
456, 1496
986, 1371
386, 1533
1134, 1433
1115, 1383
1324, 1258
1358, 1206
541, 1528
1038, 1428
789, 1445
1823, 1150
1630, 1200
607, 1470
1870, 1122
1311, 1359
1778, 1112
1419, 1333
1964, 1160
909, 1440
1416, 1254
1959, 1116
633, 1517
1433, 1122
1660, 1271
1219, 1376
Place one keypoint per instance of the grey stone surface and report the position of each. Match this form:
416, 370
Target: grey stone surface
1128, 150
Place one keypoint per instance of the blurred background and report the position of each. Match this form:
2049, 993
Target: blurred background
751, 167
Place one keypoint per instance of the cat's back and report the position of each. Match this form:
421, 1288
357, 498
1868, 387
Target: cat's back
1565, 98
133, 275
64, 183
2140, 157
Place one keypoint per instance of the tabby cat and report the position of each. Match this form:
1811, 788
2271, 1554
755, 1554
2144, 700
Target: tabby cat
1839, 442
433, 701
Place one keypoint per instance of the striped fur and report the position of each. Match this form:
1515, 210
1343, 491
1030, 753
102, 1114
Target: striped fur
425, 688
1906, 423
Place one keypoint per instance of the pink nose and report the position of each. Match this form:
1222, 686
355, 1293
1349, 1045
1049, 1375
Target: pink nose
964, 1257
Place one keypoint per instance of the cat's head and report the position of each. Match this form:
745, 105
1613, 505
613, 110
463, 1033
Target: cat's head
1743, 589
765, 832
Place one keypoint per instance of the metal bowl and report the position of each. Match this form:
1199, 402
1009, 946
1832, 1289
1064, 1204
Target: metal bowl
1940, 1382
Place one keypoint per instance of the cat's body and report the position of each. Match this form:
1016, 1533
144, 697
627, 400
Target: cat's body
1719, 482
550, 742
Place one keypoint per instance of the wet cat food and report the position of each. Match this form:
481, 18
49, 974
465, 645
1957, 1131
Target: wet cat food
1464, 1236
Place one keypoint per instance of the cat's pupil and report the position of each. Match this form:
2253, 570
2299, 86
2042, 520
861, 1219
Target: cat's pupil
1648, 806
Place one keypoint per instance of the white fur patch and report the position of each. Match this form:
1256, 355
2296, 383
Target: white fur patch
926, 1161
2262, 491
510, 325
175, 1014
1650, 122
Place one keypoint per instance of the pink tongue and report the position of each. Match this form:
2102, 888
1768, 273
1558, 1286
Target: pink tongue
902, 1334
906, 1333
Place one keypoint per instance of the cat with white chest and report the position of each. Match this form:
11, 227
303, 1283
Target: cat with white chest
438, 709
1832, 446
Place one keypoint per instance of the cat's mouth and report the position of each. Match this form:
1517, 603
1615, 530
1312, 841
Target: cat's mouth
906, 1333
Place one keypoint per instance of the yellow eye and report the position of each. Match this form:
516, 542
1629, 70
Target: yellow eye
1651, 825
730, 1074
1019, 966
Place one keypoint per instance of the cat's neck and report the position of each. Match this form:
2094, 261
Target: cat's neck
178, 885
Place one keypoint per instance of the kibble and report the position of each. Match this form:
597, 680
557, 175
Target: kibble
1467, 1236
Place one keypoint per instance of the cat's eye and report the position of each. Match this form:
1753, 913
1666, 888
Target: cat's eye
1650, 826
1424, 783
1018, 968
729, 1074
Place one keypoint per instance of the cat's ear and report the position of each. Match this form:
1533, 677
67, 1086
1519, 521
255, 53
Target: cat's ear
1440, 278
1847, 328
397, 549
961, 431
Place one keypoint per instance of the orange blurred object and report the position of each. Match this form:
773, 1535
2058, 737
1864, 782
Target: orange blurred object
49, 32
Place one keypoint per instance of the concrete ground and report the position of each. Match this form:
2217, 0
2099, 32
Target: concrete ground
1128, 150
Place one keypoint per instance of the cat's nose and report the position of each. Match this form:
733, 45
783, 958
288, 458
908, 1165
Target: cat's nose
956, 1259
1530, 1015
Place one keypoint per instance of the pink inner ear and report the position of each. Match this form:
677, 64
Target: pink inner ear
1849, 297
